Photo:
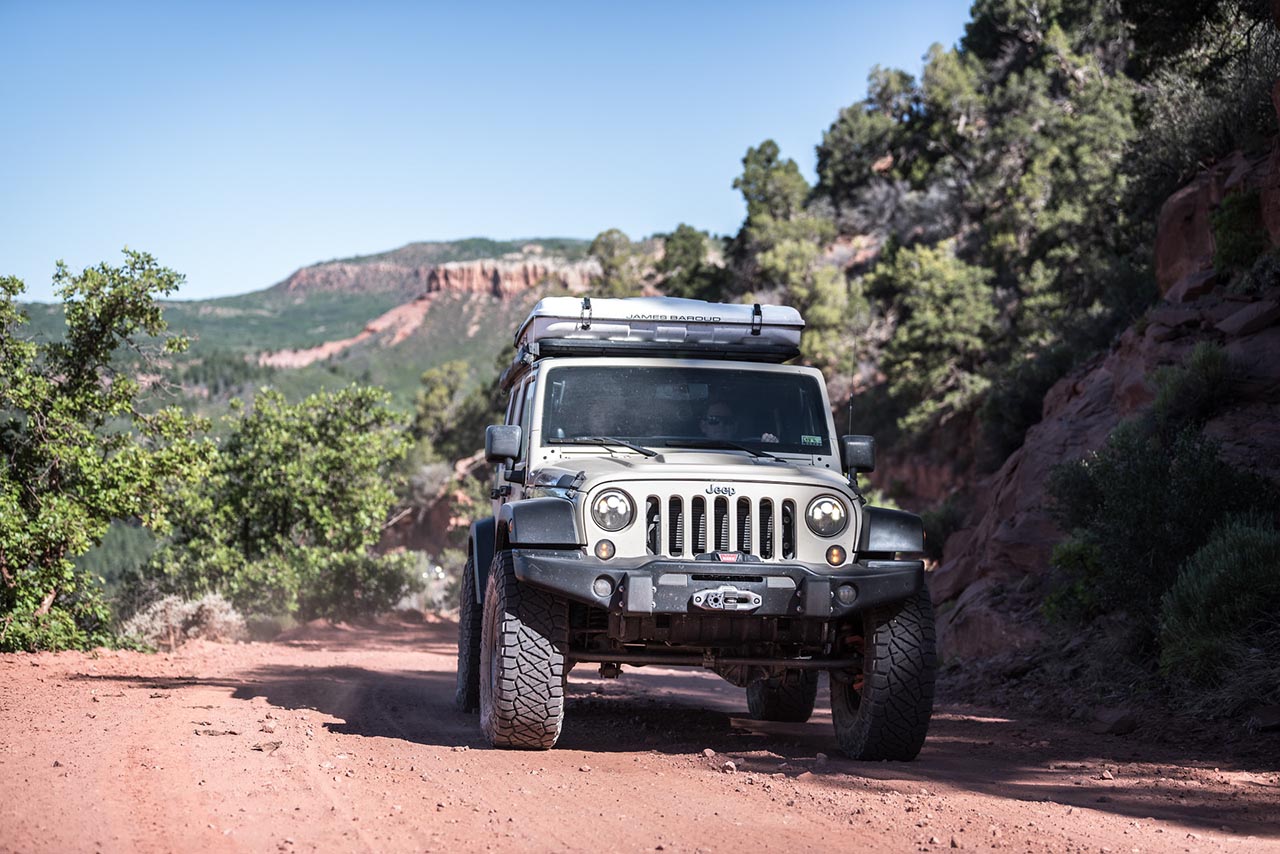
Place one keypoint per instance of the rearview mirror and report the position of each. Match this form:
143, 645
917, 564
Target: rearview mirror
502, 442
858, 453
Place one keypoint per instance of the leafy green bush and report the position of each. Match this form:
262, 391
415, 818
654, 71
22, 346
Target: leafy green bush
1136, 510
1190, 119
1146, 502
1239, 235
1223, 610
351, 586
1189, 394
934, 359
620, 265
292, 506
685, 269
75, 449
1016, 400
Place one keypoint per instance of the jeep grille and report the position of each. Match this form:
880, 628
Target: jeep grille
683, 526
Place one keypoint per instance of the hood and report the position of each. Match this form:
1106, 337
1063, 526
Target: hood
591, 470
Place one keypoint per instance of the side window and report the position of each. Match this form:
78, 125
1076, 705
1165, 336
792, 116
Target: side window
526, 418
513, 407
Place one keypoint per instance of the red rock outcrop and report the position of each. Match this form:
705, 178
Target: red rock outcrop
504, 278
490, 277
496, 276
365, 277
1012, 534
1184, 232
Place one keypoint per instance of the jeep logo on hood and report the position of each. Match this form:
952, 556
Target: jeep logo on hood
720, 490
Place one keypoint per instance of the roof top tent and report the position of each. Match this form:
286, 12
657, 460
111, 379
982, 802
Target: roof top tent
663, 327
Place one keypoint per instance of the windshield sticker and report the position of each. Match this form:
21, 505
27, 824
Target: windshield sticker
810, 440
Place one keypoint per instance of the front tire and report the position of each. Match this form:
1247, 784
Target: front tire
470, 616
885, 714
522, 661
788, 698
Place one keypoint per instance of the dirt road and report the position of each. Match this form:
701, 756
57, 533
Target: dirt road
345, 740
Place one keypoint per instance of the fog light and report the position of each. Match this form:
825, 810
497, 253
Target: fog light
604, 549
835, 555
845, 594
602, 586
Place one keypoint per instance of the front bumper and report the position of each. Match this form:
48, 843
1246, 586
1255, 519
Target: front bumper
656, 585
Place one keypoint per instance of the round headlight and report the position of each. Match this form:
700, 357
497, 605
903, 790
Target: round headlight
826, 516
612, 510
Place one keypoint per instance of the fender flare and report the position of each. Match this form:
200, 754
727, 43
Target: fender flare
886, 531
480, 549
541, 522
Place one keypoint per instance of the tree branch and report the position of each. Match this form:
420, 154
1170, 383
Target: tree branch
47, 602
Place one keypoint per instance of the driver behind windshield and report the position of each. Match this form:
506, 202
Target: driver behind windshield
719, 422
676, 406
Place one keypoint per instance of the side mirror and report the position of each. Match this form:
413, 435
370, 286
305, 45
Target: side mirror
502, 442
858, 453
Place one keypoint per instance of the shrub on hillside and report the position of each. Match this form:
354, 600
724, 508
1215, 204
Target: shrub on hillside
171, 621
1239, 236
1191, 120
1136, 510
1189, 394
1145, 502
1220, 621
1016, 400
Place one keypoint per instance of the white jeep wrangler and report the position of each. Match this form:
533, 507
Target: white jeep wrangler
669, 492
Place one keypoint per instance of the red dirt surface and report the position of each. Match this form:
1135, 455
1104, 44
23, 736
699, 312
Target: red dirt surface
345, 739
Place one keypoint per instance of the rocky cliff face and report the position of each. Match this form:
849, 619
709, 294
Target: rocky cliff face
498, 277
347, 277
421, 285
1010, 535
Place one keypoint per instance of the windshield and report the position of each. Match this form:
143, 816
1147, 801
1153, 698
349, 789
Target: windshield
686, 407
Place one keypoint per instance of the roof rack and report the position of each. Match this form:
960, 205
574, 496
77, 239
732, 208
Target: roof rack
663, 327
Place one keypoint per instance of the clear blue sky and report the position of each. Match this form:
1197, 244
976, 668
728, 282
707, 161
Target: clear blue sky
240, 141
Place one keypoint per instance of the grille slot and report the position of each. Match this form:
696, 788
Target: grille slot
744, 526
766, 529
722, 525
675, 525
788, 530
698, 512
652, 525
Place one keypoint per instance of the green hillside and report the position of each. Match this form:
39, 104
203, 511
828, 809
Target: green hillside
473, 249
228, 334
468, 327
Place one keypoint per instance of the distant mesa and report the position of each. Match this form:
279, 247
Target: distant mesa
413, 268
410, 270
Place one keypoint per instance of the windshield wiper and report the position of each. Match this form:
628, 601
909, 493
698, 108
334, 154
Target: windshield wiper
606, 440
717, 444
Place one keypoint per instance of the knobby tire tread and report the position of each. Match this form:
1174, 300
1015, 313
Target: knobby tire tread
889, 718
785, 699
470, 616
522, 661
